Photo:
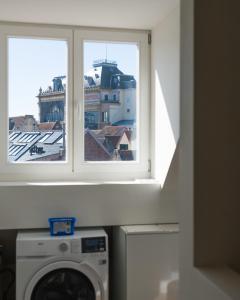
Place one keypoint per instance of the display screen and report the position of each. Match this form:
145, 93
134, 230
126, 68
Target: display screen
96, 244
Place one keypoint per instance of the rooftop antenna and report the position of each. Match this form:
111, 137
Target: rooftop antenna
106, 52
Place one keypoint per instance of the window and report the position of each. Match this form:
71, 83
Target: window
105, 117
108, 107
45, 137
35, 98
13, 135
116, 75
123, 146
14, 150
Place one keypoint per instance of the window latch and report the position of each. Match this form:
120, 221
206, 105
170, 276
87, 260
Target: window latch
149, 165
79, 111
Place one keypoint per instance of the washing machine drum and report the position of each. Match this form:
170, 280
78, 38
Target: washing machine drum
64, 284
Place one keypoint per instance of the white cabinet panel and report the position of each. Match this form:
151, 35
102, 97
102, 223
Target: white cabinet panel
146, 262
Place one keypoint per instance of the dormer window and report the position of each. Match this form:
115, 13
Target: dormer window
85, 122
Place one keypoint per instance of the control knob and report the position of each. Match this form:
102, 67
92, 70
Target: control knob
63, 247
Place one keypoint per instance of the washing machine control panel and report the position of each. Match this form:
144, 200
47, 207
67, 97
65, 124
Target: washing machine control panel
93, 244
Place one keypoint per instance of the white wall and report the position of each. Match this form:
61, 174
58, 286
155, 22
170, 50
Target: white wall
106, 13
30, 206
166, 92
165, 61
92, 205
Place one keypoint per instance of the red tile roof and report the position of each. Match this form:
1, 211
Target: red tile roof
18, 121
47, 126
101, 144
114, 130
93, 149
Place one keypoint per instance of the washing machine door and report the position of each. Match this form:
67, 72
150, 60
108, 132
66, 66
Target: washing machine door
65, 280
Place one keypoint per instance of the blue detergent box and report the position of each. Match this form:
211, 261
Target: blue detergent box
61, 226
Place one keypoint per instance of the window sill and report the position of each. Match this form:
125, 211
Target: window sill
81, 183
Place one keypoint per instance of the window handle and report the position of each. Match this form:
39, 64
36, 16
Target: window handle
79, 110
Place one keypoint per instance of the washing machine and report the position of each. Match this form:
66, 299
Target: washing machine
62, 268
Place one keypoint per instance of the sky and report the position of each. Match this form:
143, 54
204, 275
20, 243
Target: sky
33, 63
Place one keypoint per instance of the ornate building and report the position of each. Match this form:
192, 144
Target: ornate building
110, 97
52, 101
110, 113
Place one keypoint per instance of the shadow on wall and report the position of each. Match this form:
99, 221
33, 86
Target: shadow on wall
166, 139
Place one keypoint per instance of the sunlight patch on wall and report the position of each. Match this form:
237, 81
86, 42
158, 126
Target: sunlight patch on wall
166, 143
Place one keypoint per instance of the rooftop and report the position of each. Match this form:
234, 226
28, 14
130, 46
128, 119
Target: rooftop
107, 62
105, 74
58, 87
104, 144
36, 145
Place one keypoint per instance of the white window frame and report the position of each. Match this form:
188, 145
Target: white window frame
75, 168
111, 170
40, 169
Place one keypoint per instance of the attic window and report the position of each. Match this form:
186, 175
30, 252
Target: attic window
13, 136
79, 131
46, 136
14, 150
27, 138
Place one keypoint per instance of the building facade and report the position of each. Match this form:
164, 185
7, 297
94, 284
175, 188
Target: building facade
22, 123
52, 101
110, 114
109, 97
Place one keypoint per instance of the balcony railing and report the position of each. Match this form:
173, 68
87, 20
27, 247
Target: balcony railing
104, 61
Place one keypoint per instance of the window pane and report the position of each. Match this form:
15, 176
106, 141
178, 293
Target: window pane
37, 99
110, 101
